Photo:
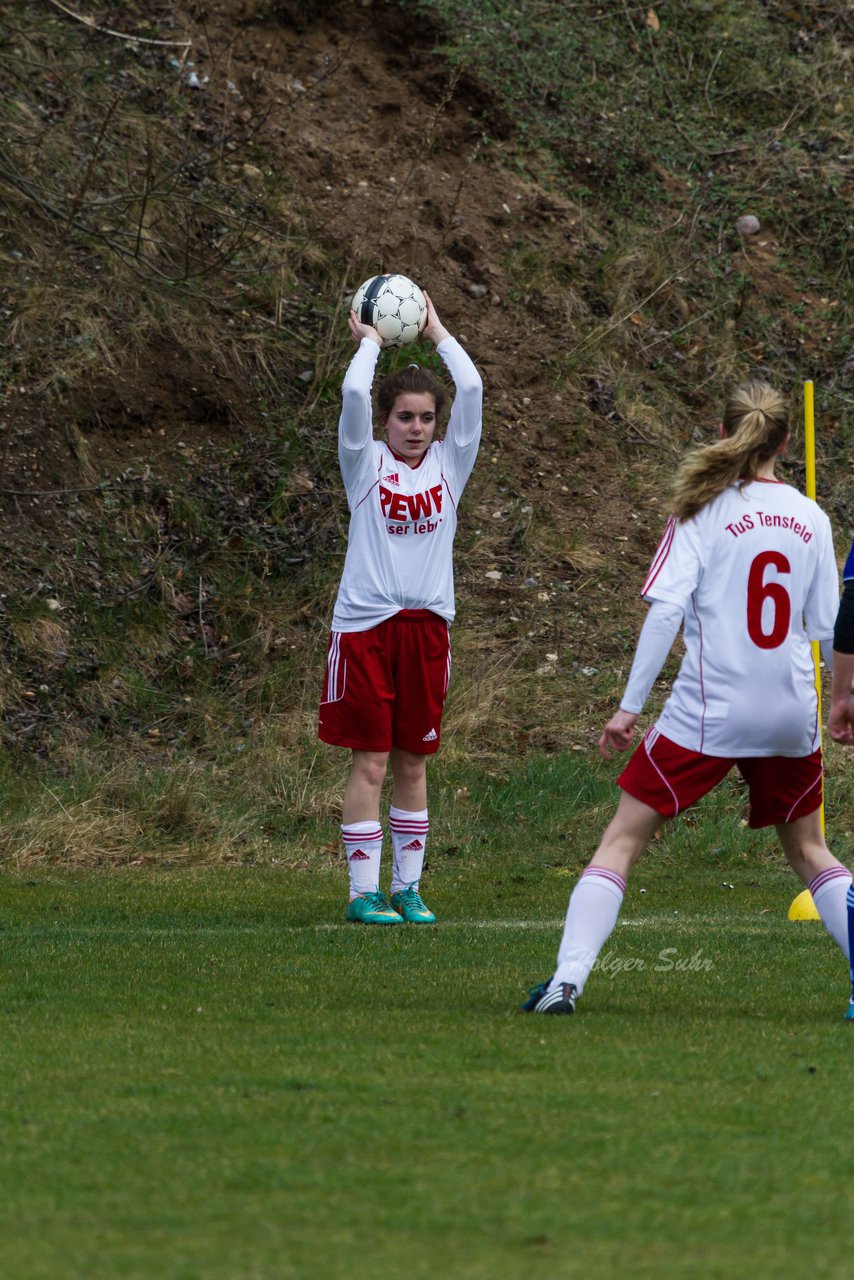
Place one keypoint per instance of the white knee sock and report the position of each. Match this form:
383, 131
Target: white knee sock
829, 891
363, 844
594, 906
409, 840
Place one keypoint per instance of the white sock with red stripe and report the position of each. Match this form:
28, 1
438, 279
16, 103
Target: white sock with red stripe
594, 906
363, 846
829, 891
409, 840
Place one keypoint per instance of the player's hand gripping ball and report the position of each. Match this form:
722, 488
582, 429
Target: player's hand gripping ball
394, 306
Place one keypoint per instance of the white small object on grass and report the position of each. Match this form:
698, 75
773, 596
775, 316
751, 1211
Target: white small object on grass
747, 225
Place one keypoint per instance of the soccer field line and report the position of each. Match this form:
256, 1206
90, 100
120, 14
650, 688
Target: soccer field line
675, 923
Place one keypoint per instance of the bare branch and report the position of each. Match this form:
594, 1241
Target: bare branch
119, 35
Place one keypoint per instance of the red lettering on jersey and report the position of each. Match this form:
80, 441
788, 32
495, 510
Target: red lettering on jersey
416, 506
397, 507
420, 505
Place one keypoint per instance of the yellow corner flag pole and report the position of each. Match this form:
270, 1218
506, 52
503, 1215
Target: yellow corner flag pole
809, 452
803, 907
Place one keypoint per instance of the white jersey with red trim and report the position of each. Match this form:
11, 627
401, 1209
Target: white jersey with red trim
402, 519
755, 575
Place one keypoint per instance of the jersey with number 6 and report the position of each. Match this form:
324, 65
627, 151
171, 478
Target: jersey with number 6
755, 574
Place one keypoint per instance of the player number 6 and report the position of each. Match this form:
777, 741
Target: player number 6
759, 591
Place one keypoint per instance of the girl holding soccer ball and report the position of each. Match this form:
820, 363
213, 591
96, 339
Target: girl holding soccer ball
746, 566
389, 656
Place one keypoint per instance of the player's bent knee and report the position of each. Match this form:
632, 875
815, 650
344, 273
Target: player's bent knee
370, 767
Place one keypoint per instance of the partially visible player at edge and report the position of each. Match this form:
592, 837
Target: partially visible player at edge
840, 720
746, 566
389, 658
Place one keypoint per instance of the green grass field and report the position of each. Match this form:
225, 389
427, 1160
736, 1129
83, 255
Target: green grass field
207, 1074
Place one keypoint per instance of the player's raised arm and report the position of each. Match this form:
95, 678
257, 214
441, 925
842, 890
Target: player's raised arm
433, 329
355, 425
466, 419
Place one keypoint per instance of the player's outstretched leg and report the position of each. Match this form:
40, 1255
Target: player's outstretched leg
827, 879
590, 918
594, 906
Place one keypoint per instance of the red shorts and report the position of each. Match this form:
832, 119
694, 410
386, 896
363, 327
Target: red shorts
386, 687
669, 778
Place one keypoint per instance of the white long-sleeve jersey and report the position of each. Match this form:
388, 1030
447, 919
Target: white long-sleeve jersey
755, 576
402, 519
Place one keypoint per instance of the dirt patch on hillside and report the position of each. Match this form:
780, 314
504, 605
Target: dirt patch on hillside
386, 143
382, 144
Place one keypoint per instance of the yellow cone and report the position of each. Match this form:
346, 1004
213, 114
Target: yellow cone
803, 907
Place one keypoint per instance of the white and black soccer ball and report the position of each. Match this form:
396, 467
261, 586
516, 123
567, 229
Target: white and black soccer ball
394, 306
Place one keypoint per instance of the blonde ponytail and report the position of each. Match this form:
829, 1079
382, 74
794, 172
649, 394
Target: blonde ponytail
756, 424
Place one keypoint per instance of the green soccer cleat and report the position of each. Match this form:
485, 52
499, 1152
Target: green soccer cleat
411, 907
372, 908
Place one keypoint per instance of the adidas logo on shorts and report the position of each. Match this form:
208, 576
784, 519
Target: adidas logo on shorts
430, 737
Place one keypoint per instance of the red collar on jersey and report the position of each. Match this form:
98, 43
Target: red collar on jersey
413, 466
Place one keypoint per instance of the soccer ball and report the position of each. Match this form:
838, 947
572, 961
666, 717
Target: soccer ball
394, 306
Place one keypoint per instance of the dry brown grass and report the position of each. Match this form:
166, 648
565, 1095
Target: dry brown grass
42, 636
131, 815
71, 837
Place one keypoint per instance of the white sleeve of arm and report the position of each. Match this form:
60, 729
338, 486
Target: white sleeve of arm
659, 630
355, 426
464, 424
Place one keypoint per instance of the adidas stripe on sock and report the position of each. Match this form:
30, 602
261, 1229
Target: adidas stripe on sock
829, 891
408, 841
363, 843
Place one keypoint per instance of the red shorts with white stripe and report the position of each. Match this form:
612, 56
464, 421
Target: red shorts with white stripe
670, 778
386, 687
